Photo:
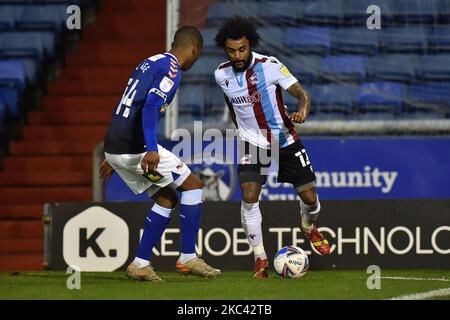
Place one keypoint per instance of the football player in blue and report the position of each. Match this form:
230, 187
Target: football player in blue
132, 150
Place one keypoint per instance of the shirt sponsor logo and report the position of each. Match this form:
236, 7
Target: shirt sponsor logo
255, 97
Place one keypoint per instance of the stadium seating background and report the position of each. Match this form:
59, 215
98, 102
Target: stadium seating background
57, 88
398, 72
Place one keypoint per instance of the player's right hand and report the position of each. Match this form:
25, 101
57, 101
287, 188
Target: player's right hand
150, 162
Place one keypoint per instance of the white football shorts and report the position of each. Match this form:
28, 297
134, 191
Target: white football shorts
128, 166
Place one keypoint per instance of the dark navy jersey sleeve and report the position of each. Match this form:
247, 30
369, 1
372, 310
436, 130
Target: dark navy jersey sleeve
149, 91
162, 90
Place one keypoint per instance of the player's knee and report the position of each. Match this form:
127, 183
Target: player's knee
173, 199
192, 182
309, 196
199, 183
166, 198
250, 195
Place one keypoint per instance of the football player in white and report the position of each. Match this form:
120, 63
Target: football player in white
252, 84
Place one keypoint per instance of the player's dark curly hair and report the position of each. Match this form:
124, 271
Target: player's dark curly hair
236, 28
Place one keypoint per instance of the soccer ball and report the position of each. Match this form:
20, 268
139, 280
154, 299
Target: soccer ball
291, 262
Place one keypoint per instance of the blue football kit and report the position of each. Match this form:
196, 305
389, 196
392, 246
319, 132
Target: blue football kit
150, 90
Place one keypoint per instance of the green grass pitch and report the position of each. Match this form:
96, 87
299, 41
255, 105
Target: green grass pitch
230, 285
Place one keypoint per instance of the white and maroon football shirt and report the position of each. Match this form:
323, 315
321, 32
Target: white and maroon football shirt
257, 100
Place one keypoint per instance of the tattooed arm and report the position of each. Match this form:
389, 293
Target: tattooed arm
304, 102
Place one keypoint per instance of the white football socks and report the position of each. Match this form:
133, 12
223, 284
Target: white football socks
141, 263
186, 257
309, 213
251, 222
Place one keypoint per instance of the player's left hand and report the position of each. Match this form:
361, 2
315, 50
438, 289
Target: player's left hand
299, 116
106, 171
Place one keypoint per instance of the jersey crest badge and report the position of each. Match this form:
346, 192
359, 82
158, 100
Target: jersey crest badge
253, 79
285, 71
166, 84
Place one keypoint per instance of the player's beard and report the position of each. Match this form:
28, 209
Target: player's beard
244, 66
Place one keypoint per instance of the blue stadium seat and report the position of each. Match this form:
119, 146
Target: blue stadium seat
271, 38
310, 39
9, 96
7, 17
379, 100
444, 10
209, 45
414, 11
429, 100
12, 74
406, 39
218, 12
356, 40
278, 12
204, 69
192, 100
323, 12
214, 97
343, 68
49, 43
306, 68
43, 17
31, 70
440, 38
333, 100
22, 44
434, 68
395, 67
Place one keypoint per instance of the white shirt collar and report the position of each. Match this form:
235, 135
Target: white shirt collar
173, 57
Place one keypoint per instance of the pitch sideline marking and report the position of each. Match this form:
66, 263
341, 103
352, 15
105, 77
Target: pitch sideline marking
415, 279
424, 295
